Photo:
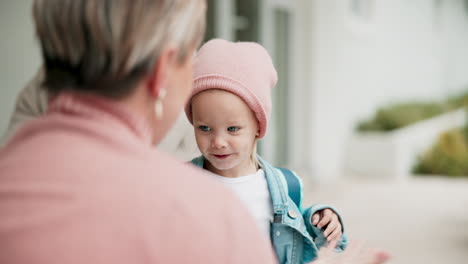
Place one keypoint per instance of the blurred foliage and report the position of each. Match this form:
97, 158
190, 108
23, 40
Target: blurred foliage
403, 114
457, 101
449, 155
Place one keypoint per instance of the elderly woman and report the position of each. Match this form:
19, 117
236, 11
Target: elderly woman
83, 184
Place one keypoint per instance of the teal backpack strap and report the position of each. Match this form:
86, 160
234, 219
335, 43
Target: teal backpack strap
294, 186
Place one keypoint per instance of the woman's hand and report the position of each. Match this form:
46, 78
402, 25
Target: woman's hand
355, 253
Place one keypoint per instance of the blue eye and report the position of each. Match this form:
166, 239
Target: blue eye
233, 129
204, 128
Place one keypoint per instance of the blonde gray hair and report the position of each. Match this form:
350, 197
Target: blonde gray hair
106, 46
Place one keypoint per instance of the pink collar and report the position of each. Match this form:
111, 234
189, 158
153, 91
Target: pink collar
92, 106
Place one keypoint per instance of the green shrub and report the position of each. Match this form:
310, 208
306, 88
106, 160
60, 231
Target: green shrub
449, 155
457, 101
401, 115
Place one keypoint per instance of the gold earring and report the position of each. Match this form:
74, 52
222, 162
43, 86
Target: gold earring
158, 107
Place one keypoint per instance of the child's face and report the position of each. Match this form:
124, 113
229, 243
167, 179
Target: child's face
226, 131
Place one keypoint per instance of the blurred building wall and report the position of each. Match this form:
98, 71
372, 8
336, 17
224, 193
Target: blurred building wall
384, 51
19, 54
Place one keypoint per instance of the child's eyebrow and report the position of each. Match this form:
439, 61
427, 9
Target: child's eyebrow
199, 121
234, 123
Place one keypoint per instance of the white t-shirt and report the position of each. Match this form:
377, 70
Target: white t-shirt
253, 191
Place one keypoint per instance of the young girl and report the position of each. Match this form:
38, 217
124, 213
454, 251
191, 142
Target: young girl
230, 108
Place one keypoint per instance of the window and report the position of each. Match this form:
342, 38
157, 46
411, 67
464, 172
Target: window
247, 20
281, 106
210, 21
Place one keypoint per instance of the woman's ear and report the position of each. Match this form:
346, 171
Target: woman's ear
157, 79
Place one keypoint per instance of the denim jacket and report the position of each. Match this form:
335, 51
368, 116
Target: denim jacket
294, 238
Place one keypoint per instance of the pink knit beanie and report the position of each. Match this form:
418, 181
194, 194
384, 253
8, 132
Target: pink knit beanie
242, 68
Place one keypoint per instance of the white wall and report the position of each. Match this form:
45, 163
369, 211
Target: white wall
403, 51
19, 54
454, 25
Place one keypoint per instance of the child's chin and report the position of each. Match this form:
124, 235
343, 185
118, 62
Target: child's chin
222, 168
222, 165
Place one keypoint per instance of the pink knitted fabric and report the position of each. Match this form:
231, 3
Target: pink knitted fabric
242, 68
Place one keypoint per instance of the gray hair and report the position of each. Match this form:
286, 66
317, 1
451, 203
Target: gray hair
106, 46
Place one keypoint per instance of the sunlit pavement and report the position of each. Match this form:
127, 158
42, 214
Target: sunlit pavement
421, 220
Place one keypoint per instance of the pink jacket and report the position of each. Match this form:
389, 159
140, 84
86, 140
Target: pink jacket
82, 185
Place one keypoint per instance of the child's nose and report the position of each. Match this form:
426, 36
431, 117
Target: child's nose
218, 142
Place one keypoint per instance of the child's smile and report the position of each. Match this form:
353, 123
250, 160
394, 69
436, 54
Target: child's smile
221, 156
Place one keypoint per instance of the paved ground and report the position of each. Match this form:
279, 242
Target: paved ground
423, 220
